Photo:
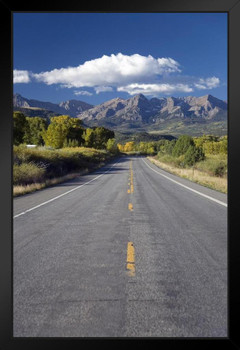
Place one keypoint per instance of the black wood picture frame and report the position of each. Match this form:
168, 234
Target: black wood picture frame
7, 8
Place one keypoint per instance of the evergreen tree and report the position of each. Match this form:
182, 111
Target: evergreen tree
102, 135
182, 145
19, 127
33, 133
194, 154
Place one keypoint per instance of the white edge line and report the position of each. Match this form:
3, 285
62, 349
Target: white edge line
189, 188
63, 194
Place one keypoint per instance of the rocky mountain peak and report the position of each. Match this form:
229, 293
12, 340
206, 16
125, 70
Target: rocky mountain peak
139, 101
71, 106
209, 101
137, 111
138, 98
19, 101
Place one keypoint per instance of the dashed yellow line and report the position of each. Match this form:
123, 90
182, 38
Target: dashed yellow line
130, 206
130, 259
130, 184
130, 247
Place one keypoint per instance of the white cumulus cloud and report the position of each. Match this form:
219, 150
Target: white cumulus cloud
21, 76
111, 70
99, 89
208, 83
154, 89
82, 92
132, 74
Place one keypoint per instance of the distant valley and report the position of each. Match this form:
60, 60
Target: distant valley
171, 116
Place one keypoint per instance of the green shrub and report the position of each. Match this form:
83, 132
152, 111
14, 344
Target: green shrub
214, 165
182, 145
194, 154
27, 173
40, 164
168, 146
167, 158
112, 146
70, 143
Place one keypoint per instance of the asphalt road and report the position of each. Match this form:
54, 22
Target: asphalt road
127, 251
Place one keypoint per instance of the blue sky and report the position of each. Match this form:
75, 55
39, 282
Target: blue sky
95, 57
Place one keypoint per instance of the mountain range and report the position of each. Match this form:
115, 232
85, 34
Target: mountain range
193, 115
71, 107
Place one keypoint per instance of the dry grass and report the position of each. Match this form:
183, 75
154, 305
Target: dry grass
37, 168
20, 189
200, 177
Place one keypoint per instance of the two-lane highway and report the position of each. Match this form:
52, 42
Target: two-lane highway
127, 251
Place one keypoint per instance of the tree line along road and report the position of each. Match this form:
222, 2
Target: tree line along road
127, 251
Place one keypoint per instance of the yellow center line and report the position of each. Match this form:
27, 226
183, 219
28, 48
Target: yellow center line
130, 247
131, 179
130, 206
130, 259
130, 184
